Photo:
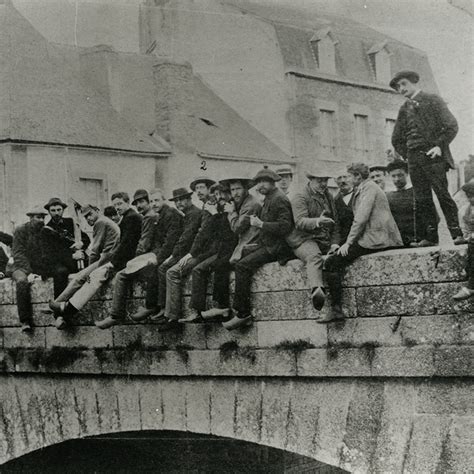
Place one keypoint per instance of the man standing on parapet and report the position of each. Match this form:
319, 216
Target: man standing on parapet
422, 134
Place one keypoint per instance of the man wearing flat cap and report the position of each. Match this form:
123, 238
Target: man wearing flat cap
316, 229
275, 223
286, 178
61, 251
28, 262
423, 131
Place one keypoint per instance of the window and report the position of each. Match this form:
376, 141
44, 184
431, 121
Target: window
379, 57
327, 133
91, 191
324, 50
388, 130
361, 129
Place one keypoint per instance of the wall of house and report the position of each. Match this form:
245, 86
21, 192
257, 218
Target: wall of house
36, 173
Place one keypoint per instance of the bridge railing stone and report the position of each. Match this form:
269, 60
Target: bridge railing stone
434, 336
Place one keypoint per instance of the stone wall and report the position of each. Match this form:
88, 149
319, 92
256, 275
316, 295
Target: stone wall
353, 394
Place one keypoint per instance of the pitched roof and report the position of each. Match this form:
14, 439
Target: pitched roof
221, 131
43, 99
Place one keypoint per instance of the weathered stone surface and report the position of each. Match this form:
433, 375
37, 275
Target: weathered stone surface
6, 292
9, 315
401, 267
216, 336
15, 338
445, 397
402, 361
452, 361
271, 333
79, 336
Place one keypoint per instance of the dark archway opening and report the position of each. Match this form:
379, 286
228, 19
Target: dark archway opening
163, 451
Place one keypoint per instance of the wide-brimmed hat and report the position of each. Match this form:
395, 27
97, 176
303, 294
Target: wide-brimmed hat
325, 169
180, 193
468, 188
201, 179
246, 182
36, 211
55, 202
378, 167
219, 186
412, 76
87, 209
140, 194
397, 165
266, 174
284, 170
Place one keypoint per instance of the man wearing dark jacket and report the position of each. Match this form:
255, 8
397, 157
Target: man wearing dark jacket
130, 231
316, 229
222, 247
168, 231
343, 202
275, 224
422, 134
28, 262
138, 268
191, 225
61, 252
7, 240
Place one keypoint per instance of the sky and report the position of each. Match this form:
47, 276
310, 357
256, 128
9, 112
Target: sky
444, 32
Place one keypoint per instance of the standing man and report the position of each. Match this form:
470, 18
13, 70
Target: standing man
286, 178
191, 225
316, 231
343, 201
373, 230
130, 230
138, 268
105, 239
402, 203
275, 224
28, 263
61, 252
422, 134
378, 174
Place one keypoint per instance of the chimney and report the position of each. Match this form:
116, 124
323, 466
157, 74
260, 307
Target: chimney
174, 103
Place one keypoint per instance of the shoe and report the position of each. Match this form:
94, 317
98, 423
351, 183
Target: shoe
57, 307
159, 319
107, 323
170, 325
424, 243
459, 240
60, 323
193, 318
237, 322
26, 328
215, 313
463, 294
318, 298
142, 314
335, 314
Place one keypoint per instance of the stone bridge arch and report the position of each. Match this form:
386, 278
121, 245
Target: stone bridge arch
361, 395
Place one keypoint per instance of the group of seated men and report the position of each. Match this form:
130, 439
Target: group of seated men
231, 230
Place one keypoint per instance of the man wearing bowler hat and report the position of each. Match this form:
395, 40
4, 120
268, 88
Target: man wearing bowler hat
286, 178
422, 134
191, 224
61, 251
316, 229
28, 262
138, 268
275, 224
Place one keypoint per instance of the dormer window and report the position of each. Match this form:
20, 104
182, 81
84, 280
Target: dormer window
323, 45
380, 62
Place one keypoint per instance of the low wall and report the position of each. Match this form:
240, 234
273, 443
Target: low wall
434, 337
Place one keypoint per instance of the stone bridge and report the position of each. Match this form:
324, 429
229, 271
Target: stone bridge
354, 394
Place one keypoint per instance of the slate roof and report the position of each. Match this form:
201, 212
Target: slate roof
43, 99
295, 28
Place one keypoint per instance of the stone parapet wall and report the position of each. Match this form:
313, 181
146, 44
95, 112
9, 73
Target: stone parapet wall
434, 338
